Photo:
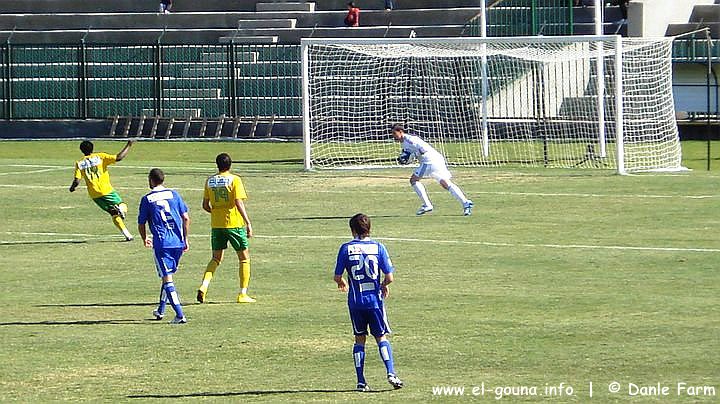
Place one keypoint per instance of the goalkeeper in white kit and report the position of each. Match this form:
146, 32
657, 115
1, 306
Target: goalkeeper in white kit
432, 164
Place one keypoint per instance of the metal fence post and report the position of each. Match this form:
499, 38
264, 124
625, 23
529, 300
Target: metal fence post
159, 75
708, 50
158, 79
8, 80
533, 17
232, 82
82, 80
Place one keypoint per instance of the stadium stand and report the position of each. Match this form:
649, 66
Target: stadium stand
136, 21
74, 59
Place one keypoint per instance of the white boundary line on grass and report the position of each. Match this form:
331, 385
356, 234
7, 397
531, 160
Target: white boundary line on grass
411, 240
505, 193
44, 170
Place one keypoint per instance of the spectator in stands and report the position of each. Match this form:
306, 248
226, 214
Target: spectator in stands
389, 5
352, 19
165, 6
623, 4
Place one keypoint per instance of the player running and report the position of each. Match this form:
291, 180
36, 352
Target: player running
94, 169
432, 164
363, 259
167, 216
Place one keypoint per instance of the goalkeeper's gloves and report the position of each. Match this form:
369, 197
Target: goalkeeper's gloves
404, 157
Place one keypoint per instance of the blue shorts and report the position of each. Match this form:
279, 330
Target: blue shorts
167, 260
375, 319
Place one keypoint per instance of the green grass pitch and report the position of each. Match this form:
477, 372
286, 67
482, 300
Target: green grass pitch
560, 276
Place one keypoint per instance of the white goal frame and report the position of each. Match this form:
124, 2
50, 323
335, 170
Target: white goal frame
617, 97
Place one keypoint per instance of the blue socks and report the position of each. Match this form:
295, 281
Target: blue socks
386, 356
163, 300
172, 298
359, 356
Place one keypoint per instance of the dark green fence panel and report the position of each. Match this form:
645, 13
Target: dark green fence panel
195, 81
100, 81
268, 81
4, 83
120, 80
695, 50
527, 17
43, 89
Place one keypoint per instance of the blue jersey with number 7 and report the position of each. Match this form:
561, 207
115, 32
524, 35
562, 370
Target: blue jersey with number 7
162, 209
363, 260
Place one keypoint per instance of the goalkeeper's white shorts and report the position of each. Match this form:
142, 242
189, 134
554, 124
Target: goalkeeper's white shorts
435, 168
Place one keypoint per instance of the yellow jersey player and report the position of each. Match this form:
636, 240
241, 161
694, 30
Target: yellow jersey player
223, 199
93, 168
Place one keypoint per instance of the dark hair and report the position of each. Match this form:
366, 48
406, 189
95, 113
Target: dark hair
360, 225
156, 176
351, 4
86, 147
398, 127
223, 161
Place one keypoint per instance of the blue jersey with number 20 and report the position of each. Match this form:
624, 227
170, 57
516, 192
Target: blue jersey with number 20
163, 208
363, 260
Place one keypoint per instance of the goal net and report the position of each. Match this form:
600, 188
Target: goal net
580, 101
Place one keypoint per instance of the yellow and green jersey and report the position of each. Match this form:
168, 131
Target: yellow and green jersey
93, 168
222, 190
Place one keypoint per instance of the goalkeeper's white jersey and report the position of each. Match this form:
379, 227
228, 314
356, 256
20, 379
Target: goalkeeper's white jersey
421, 150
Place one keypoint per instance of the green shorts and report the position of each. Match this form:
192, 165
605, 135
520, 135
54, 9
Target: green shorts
108, 202
237, 237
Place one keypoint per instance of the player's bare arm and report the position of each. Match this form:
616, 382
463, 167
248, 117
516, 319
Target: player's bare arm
74, 184
241, 208
125, 150
143, 235
342, 286
387, 280
206, 205
186, 230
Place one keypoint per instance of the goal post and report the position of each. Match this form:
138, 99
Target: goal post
575, 101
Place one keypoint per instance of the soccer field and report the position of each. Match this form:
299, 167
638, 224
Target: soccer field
578, 277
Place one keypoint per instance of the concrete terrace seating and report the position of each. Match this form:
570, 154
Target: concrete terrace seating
149, 6
287, 27
243, 21
704, 15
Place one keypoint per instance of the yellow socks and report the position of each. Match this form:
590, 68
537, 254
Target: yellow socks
208, 275
244, 275
117, 220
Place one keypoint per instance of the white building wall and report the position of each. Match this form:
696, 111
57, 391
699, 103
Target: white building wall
651, 17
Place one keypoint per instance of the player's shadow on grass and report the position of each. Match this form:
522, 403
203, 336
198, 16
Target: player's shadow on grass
36, 242
74, 322
328, 217
96, 304
251, 393
33, 242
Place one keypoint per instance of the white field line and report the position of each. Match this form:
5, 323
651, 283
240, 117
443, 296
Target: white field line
414, 240
344, 192
82, 186
208, 169
44, 170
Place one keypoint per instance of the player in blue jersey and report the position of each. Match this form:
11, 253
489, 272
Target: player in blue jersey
167, 216
363, 259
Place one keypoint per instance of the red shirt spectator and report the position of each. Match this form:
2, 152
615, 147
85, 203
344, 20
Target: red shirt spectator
353, 16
